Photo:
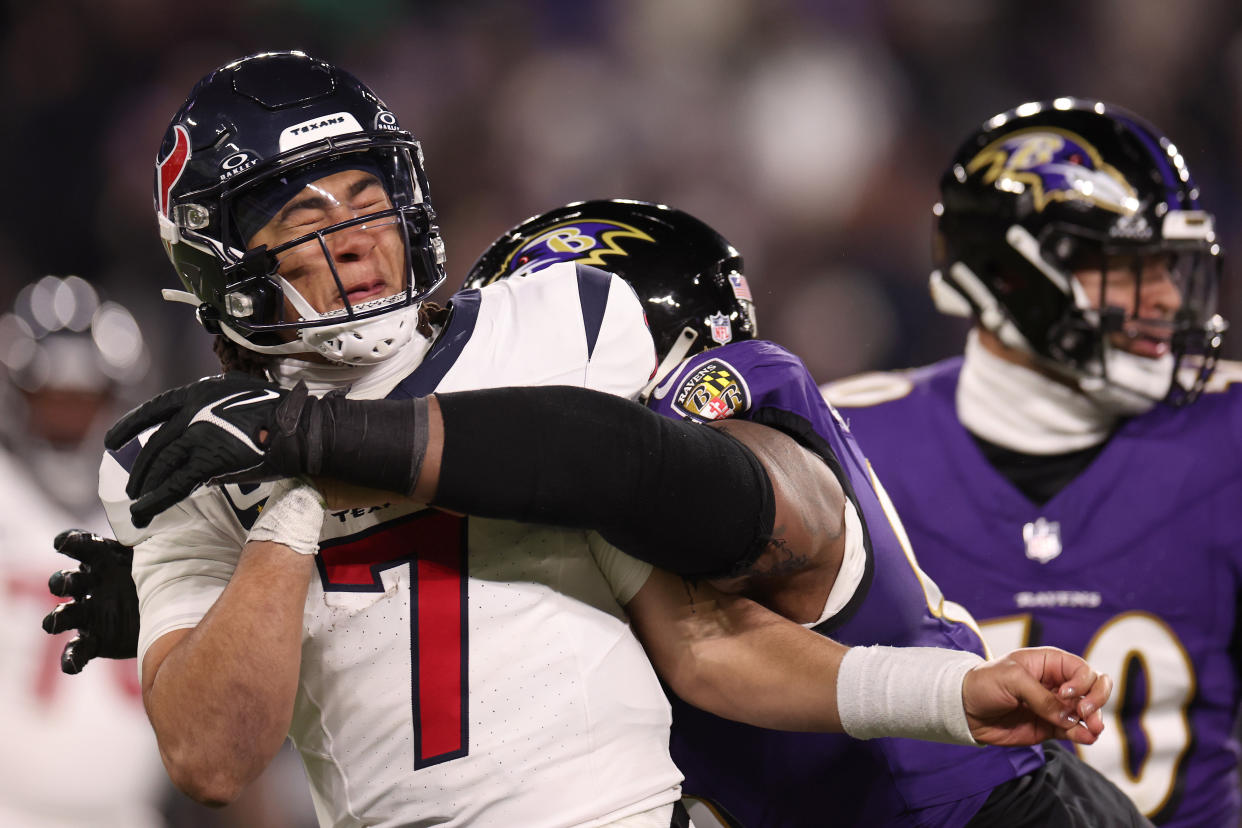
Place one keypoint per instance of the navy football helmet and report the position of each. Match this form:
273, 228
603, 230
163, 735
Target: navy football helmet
252, 136
1048, 189
689, 278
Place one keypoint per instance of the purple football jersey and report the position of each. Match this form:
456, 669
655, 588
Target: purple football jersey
1136, 564
772, 778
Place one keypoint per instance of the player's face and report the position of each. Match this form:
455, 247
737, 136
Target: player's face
1146, 291
369, 258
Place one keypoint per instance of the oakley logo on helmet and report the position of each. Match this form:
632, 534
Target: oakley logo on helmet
386, 120
1055, 165
339, 123
237, 162
584, 240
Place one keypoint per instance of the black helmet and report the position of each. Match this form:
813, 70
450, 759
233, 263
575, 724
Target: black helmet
1051, 188
253, 134
688, 277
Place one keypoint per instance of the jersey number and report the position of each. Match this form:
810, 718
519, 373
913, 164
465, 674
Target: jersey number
1146, 734
434, 544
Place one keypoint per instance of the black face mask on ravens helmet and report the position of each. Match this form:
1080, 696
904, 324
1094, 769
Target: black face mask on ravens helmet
1052, 189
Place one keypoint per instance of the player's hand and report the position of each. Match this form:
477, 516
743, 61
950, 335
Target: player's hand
1034, 694
104, 609
232, 427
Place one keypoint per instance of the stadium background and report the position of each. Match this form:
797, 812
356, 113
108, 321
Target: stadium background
812, 133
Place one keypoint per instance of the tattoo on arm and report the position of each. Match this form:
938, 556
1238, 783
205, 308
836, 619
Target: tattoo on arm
779, 558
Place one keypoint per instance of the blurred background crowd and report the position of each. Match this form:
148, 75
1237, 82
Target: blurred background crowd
812, 133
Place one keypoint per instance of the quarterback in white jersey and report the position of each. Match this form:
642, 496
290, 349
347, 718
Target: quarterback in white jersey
455, 671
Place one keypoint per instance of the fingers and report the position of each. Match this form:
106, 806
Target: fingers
67, 616
144, 509
159, 459
88, 547
1058, 710
77, 653
151, 413
1090, 705
158, 455
70, 583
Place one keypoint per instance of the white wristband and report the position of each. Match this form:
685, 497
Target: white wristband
911, 692
293, 516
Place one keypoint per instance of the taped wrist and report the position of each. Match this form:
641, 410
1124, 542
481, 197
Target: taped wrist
293, 516
679, 495
910, 692
374, 443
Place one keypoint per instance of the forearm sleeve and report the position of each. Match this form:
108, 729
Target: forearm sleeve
679, 495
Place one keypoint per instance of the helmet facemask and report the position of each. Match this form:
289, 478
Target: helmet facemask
324, 255
1140, 326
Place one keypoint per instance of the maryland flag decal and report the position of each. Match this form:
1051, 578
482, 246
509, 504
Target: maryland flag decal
712, 391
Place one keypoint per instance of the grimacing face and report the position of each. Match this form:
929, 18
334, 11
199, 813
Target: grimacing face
369, 258
1147, 291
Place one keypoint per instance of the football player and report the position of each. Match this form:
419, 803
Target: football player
699, 305
470, 664
66, 359
1055, 479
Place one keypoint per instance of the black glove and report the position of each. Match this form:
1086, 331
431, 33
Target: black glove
104, 609
227, 428
237, 428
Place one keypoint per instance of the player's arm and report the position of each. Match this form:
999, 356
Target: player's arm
555, 455
220, 695
734, 658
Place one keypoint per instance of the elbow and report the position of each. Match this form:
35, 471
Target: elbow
212, 786
212, 777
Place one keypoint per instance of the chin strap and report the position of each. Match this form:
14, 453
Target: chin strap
677, 353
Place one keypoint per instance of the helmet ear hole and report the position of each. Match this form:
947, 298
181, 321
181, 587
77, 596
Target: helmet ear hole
209, 318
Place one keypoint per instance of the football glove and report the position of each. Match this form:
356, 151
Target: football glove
104, 609
236, 428
233, 427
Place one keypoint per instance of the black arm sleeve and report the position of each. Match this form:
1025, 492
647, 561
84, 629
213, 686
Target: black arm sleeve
679, 495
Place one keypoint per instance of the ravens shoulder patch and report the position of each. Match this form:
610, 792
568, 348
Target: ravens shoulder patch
712, 391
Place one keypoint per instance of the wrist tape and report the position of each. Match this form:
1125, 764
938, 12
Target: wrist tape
292, 516
375, 443
909, 692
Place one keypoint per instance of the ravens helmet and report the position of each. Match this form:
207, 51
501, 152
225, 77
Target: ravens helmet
248, 150
1049, 189
688, 277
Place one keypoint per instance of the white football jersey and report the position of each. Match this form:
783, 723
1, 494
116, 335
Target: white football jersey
456, 671
76, 750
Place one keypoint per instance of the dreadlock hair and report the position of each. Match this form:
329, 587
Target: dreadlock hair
234, 357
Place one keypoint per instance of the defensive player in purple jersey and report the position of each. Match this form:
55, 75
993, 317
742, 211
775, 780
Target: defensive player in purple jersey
702, 316
1053, 480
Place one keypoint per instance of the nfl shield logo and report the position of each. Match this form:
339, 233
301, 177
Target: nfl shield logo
722, 329
1043, 540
